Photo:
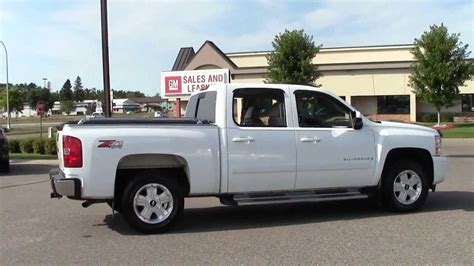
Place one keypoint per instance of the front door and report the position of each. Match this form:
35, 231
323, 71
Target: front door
330, 153
261, 145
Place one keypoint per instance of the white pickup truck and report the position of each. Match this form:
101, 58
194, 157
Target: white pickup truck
246, 144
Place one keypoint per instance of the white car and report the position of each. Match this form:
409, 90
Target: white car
96, 115
246, 144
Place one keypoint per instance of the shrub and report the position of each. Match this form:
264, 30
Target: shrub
447, 117
38, 146
433, 117
429, 117
26, 145
50, 146
14, 145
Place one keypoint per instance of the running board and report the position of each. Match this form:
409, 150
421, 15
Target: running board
291, 197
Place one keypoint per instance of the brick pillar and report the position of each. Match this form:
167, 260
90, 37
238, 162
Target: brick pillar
178, 107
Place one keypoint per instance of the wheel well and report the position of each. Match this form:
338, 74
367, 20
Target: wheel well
421, 156
162, 165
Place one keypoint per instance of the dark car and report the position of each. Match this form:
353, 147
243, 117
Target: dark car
4, 156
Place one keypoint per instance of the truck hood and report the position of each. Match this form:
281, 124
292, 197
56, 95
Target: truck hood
387, 124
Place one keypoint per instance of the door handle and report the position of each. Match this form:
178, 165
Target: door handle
243, 139
310, 139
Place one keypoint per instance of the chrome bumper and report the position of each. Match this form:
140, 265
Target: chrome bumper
62, 186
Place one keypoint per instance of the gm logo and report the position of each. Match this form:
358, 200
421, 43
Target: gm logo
173, 85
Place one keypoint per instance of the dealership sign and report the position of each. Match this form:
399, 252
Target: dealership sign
177, 83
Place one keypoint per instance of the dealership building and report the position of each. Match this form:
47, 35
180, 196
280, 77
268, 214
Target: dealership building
373, 79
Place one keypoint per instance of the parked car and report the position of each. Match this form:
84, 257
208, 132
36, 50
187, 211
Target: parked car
4, 152
246, 144
160, 114
96, 115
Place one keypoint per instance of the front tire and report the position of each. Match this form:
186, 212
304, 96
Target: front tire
152, 204
404, 186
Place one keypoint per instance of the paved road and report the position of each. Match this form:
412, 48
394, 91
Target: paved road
38, 230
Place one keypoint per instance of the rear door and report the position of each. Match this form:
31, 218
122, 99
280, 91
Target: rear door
330, 152
261, 140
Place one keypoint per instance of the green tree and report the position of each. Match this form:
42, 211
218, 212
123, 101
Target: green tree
291, 59
128, 94
79, 93
66, 93
440, 68
42, 94
16, 99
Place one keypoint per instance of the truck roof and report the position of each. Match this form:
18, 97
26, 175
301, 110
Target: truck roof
232, 86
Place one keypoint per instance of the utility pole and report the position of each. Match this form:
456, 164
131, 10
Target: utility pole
105, 58
8, 99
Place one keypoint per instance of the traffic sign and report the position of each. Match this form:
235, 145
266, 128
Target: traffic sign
40, 107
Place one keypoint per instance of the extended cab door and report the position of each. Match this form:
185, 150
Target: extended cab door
261, 140
330, 152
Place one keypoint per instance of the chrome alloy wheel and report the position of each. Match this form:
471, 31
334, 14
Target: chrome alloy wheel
407, 187
153, 203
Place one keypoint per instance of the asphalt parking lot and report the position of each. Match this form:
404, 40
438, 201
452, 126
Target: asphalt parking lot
38, 230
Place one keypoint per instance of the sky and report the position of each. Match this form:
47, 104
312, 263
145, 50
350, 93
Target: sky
60, 40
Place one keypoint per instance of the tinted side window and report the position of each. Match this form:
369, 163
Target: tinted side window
203, 107
259, 108
320, 110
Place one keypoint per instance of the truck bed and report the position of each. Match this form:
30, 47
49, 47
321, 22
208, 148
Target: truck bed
148, 121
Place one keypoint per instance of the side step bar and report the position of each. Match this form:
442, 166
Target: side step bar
291, 197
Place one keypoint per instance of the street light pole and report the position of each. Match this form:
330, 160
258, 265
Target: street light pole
8, 100
44, 85
105, 58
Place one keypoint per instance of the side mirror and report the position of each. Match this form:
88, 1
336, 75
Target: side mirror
357, 120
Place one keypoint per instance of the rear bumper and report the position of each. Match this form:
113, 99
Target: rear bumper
440, 169
62, 186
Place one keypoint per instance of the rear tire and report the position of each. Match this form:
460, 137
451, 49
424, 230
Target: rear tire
152, 204
404, 186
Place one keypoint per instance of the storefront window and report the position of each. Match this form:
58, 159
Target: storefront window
467, 102
393, 104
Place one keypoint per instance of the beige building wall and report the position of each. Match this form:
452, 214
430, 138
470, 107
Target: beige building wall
367, 82
248, 78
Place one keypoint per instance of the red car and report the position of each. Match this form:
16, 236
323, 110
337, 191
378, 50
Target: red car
4, 155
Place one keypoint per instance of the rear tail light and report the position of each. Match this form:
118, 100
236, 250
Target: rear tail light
438, 145
72, 152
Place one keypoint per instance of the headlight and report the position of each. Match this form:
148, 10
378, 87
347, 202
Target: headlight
437, 145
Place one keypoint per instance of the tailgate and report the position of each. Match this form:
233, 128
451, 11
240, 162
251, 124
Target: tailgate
59, 146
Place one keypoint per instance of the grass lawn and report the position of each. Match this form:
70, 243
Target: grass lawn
32, 156
459, 132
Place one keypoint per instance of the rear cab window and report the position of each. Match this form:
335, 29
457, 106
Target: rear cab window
253, 107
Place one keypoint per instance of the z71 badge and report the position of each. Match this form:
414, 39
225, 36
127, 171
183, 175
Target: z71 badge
111, 144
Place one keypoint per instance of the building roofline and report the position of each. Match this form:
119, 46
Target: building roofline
362, 47
215, 48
